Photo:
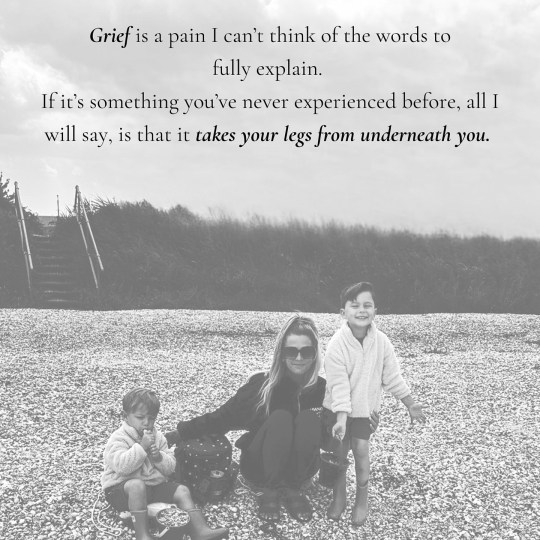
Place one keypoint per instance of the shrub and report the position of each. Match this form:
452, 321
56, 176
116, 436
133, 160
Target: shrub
159, 258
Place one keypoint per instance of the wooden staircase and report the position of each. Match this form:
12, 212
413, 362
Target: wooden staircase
54, 283
53, 273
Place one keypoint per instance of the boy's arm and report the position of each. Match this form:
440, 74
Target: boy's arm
338, 381
121, 458
415, 409
166, 462
393, 382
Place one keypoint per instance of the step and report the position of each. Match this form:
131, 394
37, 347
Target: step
59, 304
54, 284
49, 246
50, 266
44, 238
48, 252
39, 274
58, 295
48, 221
41, 240
59, 258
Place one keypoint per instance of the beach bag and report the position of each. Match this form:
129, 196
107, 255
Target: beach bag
205, 466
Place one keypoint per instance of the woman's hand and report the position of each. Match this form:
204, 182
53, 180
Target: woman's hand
374, 420
173, 437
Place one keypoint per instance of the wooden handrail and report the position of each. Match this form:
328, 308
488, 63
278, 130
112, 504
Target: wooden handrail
24, 237
82, 219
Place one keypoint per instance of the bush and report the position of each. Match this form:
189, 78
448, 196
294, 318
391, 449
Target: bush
170, 259
13, 276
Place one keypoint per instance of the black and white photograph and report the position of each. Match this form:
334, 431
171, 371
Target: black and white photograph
269, 269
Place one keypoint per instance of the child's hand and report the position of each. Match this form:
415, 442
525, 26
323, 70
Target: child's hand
147, 440
154, 452
416, 413
339, 429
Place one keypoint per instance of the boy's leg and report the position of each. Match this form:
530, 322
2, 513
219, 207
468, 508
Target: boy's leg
181, 496
339, 501
173, 492
360, 448
135, 491
198, 529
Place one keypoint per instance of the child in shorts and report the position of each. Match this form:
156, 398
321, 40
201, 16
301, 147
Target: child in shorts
359, 363
137, 464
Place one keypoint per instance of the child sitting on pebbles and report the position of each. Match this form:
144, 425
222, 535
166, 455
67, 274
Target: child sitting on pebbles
137, 463
359, 363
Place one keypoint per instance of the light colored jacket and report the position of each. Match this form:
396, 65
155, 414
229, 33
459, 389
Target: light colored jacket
124, 458
356, 372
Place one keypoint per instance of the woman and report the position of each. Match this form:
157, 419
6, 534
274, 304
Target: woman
281, 447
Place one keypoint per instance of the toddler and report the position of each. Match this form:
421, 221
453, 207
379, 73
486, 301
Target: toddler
137, 463
359, 362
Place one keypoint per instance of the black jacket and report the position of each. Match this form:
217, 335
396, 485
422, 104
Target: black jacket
240, 411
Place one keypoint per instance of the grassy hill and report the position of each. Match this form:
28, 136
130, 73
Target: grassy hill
174, 259
168, 259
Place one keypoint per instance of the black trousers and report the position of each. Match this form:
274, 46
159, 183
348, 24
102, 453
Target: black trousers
285, 451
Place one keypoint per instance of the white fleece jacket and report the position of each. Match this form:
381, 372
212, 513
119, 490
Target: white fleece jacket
124, 458
355, 372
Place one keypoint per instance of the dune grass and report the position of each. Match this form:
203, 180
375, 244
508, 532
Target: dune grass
165, 259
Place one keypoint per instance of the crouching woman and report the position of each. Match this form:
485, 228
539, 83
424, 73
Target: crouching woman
281, 447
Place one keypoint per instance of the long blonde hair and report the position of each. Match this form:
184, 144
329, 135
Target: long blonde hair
297, 325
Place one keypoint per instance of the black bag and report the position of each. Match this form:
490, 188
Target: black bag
205, 466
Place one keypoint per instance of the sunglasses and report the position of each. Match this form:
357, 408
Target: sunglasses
306, 353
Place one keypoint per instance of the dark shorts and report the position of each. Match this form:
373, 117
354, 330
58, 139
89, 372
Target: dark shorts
117, 498
357, 428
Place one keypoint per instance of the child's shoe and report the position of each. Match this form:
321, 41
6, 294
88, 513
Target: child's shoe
339, 499
199, 530
140, 524
360, 509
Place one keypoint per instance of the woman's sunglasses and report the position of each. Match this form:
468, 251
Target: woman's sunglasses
306, 353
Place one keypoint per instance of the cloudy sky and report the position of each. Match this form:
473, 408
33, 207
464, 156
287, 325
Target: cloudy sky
479, 187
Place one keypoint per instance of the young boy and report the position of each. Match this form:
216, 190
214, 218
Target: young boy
137, 463
359, 362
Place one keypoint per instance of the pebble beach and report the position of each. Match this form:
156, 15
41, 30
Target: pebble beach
473, 471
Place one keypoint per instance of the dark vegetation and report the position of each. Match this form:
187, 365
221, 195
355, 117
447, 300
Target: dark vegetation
174, 259
13, 280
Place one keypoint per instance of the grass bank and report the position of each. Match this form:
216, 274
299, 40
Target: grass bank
174, 259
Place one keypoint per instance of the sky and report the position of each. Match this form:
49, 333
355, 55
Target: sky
490, 187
